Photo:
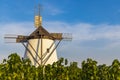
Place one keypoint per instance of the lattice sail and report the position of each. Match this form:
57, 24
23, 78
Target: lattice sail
67, 36
10, 38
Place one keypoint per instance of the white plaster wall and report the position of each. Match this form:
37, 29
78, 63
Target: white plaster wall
46, 43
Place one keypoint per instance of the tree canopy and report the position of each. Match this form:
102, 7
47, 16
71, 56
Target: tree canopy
16, 68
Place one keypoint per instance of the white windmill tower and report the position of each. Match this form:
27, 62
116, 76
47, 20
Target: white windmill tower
41, 45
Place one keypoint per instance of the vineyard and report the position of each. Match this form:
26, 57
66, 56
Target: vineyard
16, 68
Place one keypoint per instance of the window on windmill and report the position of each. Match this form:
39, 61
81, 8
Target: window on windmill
48, 50
38, 32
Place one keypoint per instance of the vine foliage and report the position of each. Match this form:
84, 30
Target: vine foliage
16, 68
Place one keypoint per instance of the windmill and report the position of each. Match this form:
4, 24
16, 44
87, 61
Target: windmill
40, 45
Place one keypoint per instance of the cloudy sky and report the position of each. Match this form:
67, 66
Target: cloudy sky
95, 25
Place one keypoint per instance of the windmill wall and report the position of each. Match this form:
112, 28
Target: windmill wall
47, 48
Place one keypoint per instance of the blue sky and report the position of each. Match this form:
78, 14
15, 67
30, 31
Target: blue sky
94, 11
95, 25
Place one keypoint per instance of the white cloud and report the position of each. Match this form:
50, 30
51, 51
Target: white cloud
84, 31
16, 28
